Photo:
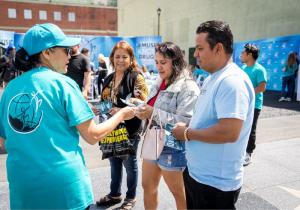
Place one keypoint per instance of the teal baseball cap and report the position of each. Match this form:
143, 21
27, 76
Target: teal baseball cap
43, 36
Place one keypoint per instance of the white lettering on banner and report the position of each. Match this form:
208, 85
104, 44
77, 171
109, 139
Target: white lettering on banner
7, 37
146, 44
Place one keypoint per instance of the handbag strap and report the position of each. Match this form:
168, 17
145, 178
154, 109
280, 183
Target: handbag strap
148, 127
151, 119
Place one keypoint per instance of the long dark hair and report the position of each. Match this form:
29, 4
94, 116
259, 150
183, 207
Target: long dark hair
24, 62
173, 52
292, 59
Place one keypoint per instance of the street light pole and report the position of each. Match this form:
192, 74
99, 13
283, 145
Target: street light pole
158, 24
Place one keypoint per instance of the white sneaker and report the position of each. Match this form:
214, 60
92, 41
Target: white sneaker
282, 99
288, 99
247, 159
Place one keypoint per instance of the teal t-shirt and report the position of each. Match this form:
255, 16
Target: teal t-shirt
257, 74
289, 70
45, 166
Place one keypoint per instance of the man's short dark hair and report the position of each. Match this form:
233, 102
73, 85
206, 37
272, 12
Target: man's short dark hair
253, 49
217, 32
84, 50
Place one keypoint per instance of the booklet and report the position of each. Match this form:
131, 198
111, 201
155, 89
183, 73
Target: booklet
135, 103
102, 106
170, 140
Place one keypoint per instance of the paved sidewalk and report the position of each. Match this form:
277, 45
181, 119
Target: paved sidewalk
272, 181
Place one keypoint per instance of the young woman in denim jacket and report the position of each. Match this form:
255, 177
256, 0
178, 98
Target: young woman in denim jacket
171, 100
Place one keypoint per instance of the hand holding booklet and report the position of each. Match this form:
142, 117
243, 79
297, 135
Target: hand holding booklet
170, 140
102, 106
133, 102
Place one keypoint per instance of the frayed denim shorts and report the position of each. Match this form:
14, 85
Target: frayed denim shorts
171, 160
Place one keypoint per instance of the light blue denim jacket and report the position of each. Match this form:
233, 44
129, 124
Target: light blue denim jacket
176, 103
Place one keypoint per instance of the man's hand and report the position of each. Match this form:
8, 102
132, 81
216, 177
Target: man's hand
178, 131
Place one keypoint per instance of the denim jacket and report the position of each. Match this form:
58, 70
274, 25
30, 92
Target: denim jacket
176, 103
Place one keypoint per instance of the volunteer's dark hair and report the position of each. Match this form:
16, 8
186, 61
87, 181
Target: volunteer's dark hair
24, 62
173, 52
253, 49
217, 32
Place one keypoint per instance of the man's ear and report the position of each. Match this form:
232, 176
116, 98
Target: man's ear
219, 48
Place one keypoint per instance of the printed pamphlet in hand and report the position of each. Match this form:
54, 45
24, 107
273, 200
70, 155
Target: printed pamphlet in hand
133, 102
170, 140
102, 106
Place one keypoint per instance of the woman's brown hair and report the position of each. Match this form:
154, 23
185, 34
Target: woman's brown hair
125, 46
291, 59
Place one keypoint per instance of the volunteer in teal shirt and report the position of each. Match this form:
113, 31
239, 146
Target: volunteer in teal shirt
42, 114
258, 76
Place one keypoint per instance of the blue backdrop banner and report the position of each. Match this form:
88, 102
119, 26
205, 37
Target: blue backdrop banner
273, 55
143, 47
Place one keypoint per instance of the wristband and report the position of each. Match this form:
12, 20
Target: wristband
185, 134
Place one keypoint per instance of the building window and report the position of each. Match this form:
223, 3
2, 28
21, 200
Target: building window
43, 15
12, 13
27, 14
71, 16
57, 16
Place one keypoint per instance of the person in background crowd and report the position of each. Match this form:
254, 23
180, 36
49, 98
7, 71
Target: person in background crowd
288, 78
94, 79
79, 70
102, 72
145, 72
7, 65
86, 52
258, 76
125, 80
2, 49
295, 76
218, 133
46, 116
171, 100
2, 61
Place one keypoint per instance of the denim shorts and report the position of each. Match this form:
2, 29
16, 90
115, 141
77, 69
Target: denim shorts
171, 160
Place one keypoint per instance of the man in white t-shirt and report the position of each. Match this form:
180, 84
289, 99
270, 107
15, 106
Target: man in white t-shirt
218, 133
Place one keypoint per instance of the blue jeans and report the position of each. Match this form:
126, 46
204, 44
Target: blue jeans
289, 83
116, 170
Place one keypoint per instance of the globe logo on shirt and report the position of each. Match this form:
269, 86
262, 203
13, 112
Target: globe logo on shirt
24, 114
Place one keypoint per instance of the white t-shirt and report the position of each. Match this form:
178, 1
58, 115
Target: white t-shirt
227, 93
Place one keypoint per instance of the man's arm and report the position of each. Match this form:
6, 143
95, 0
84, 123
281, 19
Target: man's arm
86, 83
227, 130
260, 88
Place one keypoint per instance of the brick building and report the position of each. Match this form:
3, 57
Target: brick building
83, 19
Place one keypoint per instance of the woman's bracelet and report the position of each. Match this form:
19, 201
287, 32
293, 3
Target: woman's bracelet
185, 133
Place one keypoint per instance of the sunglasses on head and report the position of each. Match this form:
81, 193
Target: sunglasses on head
250, 47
